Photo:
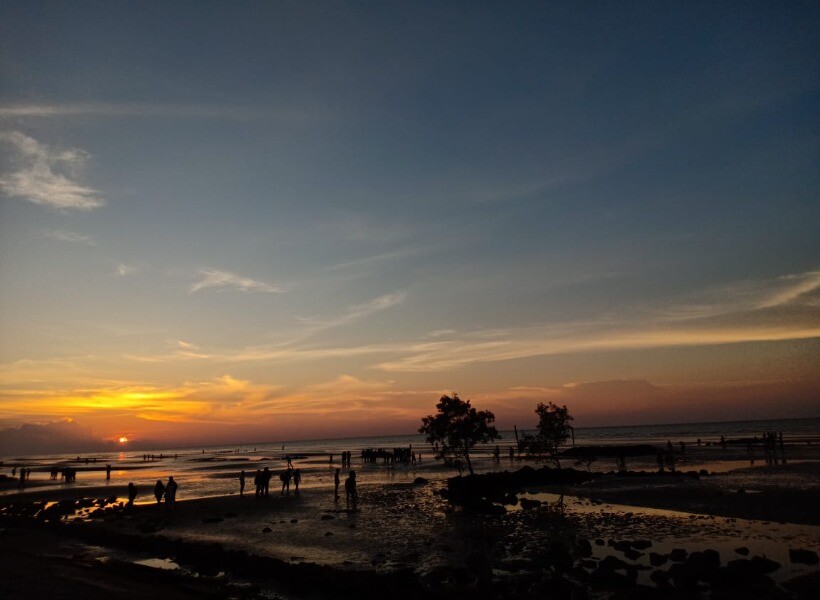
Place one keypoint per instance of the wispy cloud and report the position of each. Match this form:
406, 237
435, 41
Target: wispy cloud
43, 175
356, 312
224, 280
123, 270
154, 110
743, 296
70, 236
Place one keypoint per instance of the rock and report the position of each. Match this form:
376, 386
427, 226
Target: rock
659, 576
583, 548
743, 551
703, 561
212, 519
556, 556
603, 579
589, 564
528, 504
420, 481
266, 530
327, 517
478, 564
641, 544
328, 533
632, 554
683, 576
801, 556
805, 586
294, 520
678, 555
657, 560
599, 542
764, 565
610, 563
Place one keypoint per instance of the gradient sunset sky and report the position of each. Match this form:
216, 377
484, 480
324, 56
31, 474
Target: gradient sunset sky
246, 221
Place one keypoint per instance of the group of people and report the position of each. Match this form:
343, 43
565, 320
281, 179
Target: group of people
262, 477
167, 491
388, 457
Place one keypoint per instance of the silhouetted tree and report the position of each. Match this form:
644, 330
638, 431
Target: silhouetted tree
456, 428
553, 430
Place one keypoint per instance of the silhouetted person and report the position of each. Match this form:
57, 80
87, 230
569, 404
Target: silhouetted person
660, 463
290, 464
159, 490
242, 483
331, 458
723, 442
285, 478
266, 475
107, 472
171, 492
257, 482
297, 479
132, 493
512, 452
336, 485
683, 448
669, 445
350, 490
497, 454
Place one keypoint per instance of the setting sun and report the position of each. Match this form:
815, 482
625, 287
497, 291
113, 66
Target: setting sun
123, 439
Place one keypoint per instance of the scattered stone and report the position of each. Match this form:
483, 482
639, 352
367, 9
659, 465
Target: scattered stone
805, 586
327, 517
212, 519
610, 563
743, 551
583, 548
328, 533
528, 504
801, 556
678, 555
764, 565
599, 542
632, 554
266, 530
657, 560
641, 544
420, 481
294, 520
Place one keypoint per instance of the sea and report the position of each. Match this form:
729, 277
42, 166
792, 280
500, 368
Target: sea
207, 471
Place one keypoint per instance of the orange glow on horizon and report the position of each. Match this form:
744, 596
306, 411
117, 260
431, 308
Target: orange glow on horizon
123, 439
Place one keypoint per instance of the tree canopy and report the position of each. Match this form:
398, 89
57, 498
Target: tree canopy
456, 428
552, 431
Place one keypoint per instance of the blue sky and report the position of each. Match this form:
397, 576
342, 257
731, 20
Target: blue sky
238, 207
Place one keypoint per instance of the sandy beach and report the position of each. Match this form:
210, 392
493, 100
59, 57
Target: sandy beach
633, 534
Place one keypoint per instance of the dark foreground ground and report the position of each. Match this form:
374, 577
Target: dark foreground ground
742, 535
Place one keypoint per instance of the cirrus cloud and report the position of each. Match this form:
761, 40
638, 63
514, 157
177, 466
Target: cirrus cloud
44, 175
224, 280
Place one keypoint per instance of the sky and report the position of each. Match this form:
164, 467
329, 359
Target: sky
248, 221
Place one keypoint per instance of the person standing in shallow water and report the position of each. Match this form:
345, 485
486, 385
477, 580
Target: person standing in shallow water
242, 483
297, 479
336, 485
132, 493
171, 492
351, 495
159, 490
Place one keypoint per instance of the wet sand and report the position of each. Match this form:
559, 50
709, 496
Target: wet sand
600, 538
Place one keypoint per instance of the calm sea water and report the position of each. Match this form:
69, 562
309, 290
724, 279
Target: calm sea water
213, 470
